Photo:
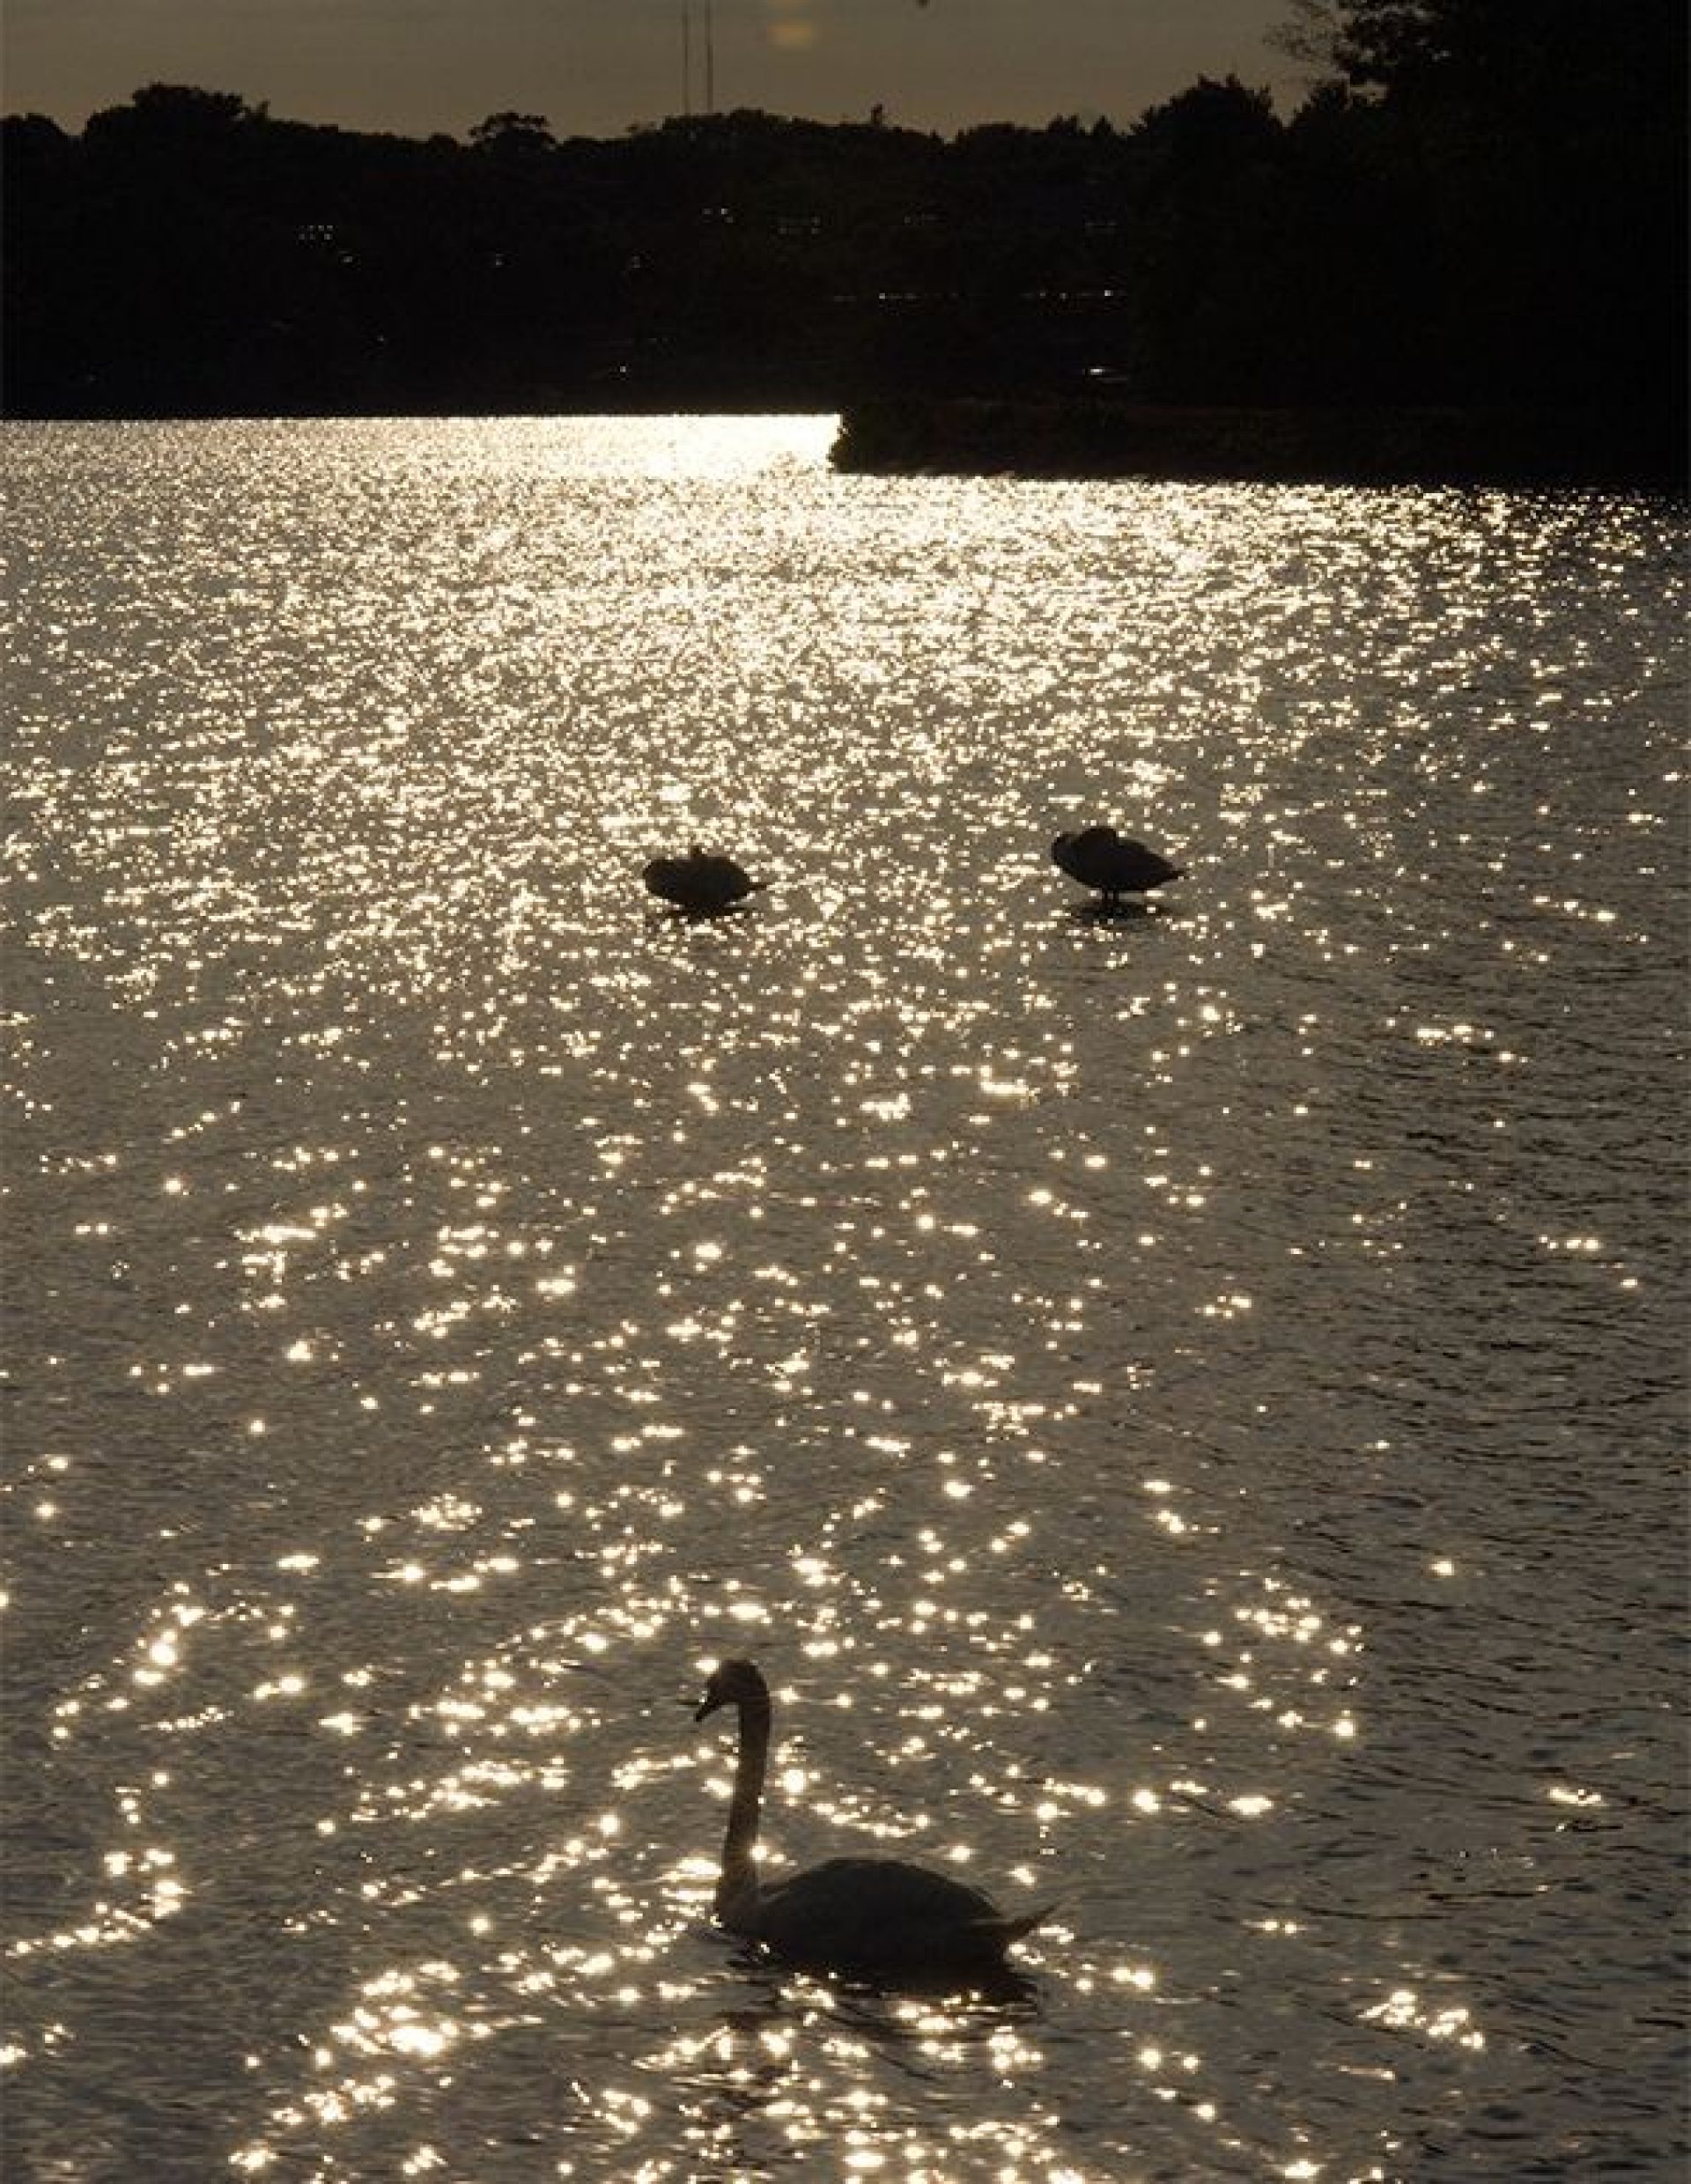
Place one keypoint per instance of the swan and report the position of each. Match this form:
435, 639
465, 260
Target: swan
1100, 858
867, 1915
699, 881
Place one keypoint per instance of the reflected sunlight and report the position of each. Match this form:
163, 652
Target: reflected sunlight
1134, 1381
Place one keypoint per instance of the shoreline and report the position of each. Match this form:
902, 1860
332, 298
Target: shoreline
1078, 439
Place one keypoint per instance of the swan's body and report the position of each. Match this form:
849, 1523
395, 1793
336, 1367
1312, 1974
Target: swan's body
871, 1915
1100, 858
699, 881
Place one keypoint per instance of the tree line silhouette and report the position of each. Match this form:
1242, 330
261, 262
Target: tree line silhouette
1479, 204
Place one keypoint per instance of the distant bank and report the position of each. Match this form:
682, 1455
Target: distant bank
1099, 439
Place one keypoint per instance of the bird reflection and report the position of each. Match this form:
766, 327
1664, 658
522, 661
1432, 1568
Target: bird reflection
882, 1920
884, 2000
700, 882
775, 2059
1108, 862
1125, 910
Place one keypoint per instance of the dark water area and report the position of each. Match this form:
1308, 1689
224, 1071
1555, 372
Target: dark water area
1185, 1406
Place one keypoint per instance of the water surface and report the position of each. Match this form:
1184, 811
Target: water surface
1187, 1407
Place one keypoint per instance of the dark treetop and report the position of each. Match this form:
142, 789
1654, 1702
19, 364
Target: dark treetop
1480, 210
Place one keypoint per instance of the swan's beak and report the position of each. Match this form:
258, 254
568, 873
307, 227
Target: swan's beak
709, 1707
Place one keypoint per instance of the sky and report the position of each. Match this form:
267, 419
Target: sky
595, 68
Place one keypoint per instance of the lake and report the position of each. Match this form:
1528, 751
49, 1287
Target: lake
1186, 1406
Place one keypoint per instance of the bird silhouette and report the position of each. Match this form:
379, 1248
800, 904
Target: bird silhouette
877, 1917
1100, 858
699, 881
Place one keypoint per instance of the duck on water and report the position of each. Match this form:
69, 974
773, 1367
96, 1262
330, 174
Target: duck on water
701, 882
874, 1917
1100, 858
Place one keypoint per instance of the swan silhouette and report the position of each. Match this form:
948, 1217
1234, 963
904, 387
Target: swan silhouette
699, 881
875, 1916
1100, 858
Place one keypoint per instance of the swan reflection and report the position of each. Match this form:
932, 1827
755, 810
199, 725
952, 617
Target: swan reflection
1123, 909
769, 2082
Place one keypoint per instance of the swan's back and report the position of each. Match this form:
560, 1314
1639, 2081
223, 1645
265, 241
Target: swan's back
699, 881
880, 1914
1098, 857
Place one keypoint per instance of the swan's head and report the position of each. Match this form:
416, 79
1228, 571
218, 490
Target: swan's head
734, 1683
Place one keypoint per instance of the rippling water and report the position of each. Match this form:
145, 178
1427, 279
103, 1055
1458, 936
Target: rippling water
1187, 1407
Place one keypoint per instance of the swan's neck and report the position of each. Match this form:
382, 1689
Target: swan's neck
739, 1877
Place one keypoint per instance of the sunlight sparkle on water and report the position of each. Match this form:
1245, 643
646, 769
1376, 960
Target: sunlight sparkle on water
1143, 1384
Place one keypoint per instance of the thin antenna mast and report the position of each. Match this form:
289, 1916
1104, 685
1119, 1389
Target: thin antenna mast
687, 57
709, 57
